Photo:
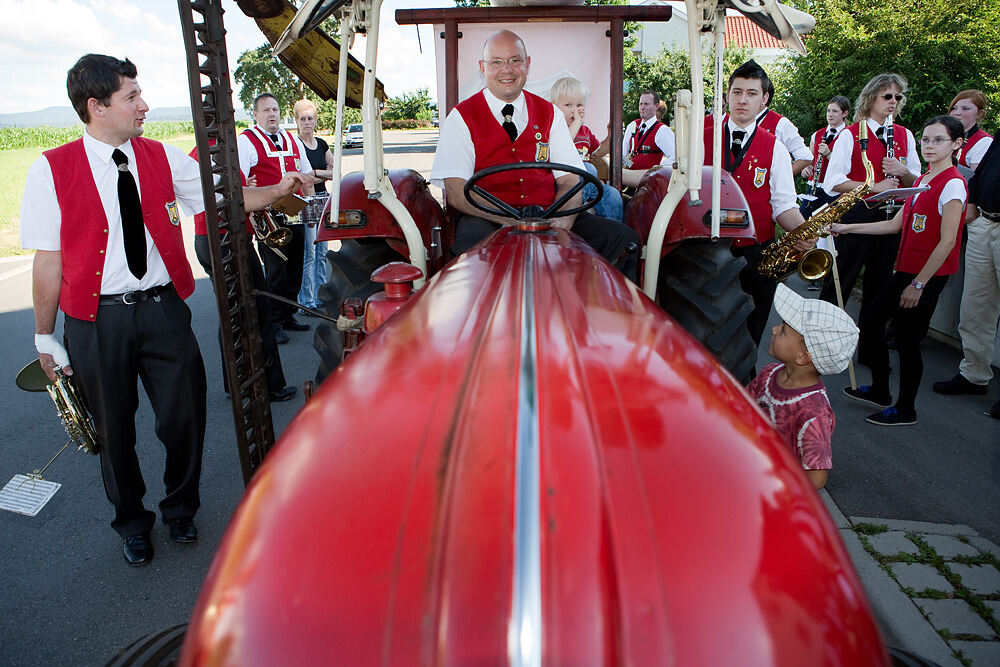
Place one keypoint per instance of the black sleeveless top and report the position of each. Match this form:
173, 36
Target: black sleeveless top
317, 158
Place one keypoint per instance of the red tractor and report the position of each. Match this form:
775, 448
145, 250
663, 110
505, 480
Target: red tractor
527, 461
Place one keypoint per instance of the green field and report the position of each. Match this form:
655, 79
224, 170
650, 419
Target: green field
30, 143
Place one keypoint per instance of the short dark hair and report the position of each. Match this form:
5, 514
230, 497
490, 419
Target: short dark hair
656, 98
840, 101
751, 70
262, 96
96, 76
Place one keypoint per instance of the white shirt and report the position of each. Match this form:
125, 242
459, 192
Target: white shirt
782, 180
953, 189
249, 157
664, 138
788, 134
976, 153
41, 217
842, 156
455, 156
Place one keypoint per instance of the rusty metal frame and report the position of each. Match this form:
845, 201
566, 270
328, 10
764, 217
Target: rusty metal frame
215, 136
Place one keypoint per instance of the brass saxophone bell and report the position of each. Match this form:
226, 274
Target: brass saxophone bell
815, 264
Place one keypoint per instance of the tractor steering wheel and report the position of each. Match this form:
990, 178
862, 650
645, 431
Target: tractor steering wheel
506, 210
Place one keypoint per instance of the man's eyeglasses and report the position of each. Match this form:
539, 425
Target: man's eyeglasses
889, 96
937, 141
496, 63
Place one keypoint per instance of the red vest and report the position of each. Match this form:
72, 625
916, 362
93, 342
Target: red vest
83, 235
978, 136
921, 230
200, 221
517, 188
753, 175
272, 163
646, 154
876, 152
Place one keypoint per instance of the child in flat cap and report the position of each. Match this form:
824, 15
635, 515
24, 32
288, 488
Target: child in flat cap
816, 338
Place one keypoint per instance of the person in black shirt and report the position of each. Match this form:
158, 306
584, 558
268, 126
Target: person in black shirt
319, 156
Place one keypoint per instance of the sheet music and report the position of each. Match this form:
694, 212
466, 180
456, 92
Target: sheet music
27, 495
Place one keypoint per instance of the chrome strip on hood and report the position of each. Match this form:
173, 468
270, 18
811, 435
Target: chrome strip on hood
524, 634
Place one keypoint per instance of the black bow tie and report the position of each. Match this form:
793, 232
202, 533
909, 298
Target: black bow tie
738, 136
880, 132
274, 139
830, 134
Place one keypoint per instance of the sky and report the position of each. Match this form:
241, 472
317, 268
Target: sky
41, 39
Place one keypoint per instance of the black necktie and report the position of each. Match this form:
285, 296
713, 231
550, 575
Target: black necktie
830, 135
880, 133
508, 121
133, 230
738, 136
274, 140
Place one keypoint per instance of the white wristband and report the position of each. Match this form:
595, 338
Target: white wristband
47, 344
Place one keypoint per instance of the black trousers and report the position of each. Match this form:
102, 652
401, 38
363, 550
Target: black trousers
876, 254
151, 342
614, 241
265, 320
284, 278
760, 288
910, 326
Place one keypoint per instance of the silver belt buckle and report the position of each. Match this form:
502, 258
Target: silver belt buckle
125, 299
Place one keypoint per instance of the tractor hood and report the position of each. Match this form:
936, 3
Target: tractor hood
530, 463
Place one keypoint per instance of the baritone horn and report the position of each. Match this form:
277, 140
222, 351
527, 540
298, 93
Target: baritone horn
69, 403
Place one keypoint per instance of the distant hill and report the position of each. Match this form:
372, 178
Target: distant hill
64, 116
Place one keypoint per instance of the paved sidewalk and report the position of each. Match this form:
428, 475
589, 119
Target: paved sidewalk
934, 587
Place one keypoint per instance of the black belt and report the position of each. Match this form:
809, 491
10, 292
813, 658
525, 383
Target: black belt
992, 217
131, 298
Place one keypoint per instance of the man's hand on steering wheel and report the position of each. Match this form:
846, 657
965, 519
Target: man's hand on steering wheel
561, 219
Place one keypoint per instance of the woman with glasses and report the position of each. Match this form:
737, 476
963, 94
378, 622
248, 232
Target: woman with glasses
930, 224
321, 159
883, 96
980, 309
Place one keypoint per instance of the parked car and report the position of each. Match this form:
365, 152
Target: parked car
353, 137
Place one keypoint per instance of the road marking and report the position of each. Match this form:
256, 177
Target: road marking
16, 272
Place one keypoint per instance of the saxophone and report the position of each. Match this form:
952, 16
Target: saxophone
780, 260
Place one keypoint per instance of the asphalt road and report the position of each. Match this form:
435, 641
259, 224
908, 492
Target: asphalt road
69, 597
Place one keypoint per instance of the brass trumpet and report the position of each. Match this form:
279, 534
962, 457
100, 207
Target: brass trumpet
69, 403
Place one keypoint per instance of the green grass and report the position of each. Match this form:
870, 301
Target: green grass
14, 165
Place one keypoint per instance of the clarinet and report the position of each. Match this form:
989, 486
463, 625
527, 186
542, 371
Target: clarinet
818, 167
890, 207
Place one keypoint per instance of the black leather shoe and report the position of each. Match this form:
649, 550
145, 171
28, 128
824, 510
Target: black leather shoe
959, 385
293, 324
280, 336
183, 530
994, 411
138, 549
282, 394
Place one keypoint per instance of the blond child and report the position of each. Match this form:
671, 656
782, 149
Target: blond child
569, 94
815, 338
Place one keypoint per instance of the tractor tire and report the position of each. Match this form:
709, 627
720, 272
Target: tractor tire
157, 649
351, 268
699, 286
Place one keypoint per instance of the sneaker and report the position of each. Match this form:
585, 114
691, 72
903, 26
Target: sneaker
892, 417
959, 385
865, 394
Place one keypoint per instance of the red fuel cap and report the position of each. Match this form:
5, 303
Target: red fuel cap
398, 279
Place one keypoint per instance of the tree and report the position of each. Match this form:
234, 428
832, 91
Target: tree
416, 105
669, 72
940, 46
257, 71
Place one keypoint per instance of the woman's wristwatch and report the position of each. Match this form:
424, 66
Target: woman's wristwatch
917, 285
